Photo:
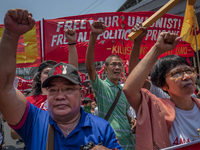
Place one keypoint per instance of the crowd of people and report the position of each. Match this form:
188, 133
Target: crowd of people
60, 113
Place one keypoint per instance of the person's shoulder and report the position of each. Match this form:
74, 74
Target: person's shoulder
97, 119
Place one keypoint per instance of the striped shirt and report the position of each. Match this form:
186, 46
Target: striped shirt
105, 93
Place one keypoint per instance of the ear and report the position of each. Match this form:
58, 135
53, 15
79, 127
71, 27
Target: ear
165, 88
105, 69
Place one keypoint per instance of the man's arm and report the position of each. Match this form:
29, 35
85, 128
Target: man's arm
96, 29
134, 57
12, 101
135, 81
71, 36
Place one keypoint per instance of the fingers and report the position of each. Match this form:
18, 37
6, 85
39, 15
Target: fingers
21, 16
170, 37
71, 35
176, 41
98, 25
12, 13
70, 32
31, 21
139, 26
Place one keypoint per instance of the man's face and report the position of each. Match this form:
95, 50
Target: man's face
114, 69
64, 98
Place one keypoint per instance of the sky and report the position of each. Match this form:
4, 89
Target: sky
51, 9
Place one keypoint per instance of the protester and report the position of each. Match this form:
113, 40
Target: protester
39, 95
94, 108
69, 124
87, 104
164, 122
134, 60
106, 90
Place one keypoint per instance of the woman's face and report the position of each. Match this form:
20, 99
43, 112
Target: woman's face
44, 74
180, 81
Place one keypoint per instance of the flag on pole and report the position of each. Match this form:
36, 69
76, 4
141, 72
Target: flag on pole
190, 26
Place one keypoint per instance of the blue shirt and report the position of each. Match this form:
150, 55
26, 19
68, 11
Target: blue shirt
34, 131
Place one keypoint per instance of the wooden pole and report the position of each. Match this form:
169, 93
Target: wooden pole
147, 23
195, 65
197, 50
124, 71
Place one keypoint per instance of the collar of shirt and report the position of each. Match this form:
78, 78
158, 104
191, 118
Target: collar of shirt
83, 122
112, 85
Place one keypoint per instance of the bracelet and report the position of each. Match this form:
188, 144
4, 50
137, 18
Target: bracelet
71, 43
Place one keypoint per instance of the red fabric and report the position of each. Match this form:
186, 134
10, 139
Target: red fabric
37, 100
24, 84
190, 147
114, 40
91, 96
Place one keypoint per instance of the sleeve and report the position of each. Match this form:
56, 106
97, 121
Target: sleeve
111, 139
21, 123
131, 112
96, 83
97, 86
31, 123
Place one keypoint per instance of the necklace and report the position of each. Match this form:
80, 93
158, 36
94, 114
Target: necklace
73, 124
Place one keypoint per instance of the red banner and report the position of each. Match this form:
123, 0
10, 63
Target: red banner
29, 47
194, 145
23, 84
114, 40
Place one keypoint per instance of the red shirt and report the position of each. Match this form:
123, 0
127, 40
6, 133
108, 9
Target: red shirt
37, 100
91, 96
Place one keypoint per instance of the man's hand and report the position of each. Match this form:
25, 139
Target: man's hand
98, 27
167, 41
71, 35
18, 21
136, 28
100, 147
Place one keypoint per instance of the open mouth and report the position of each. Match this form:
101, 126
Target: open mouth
117, 73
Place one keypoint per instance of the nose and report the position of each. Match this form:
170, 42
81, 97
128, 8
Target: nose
185, 75
60, 95
118, 66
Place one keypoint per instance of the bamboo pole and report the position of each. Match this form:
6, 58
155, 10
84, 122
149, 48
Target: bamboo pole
123, 71
195, 65
197, 50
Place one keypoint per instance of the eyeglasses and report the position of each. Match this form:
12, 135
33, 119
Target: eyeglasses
65, 90
114, 64
180, 73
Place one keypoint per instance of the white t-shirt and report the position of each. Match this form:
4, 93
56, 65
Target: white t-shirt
158, 91
185, 125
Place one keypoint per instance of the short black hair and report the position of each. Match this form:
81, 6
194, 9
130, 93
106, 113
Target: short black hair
163, 66
109, 58
87, 100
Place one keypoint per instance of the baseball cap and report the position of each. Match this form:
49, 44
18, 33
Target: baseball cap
47, 63
64, 70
